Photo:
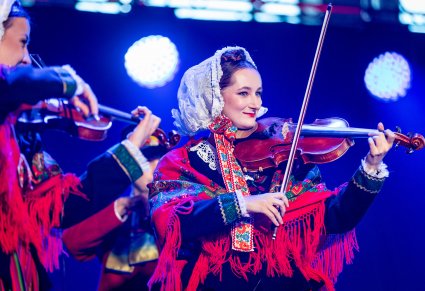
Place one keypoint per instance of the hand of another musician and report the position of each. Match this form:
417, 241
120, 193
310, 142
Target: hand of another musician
84, 99
145, 128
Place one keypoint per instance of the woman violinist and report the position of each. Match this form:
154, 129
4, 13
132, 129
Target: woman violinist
214, 222
32, 186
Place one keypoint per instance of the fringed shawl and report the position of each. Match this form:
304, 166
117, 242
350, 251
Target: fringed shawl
29, 217
177, 186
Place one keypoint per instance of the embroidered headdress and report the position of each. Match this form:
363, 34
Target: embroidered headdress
199, 97
5, 7
201, 105
10, 8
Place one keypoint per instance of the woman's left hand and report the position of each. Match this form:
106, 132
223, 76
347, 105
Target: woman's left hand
379, 144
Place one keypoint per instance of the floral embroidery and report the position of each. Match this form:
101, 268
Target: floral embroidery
229, 207
233, 177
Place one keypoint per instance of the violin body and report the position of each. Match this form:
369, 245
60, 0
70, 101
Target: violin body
323, 141
60, 115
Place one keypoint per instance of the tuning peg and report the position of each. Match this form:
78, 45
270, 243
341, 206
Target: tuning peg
398, 129
396, 145
410, 150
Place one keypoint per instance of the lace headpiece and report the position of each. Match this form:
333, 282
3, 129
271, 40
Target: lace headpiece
199, 97
5, 7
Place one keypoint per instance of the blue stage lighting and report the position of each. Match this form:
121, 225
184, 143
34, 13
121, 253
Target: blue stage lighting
388, 76
152, 61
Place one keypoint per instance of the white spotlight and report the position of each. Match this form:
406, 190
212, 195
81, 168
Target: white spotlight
388, 76
152, 61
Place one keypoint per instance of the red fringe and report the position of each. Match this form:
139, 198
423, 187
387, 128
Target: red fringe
169, 269
296, 241
31, 217
45, 209
12, 218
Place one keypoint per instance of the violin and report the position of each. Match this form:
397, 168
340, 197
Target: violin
322, 141
59, 114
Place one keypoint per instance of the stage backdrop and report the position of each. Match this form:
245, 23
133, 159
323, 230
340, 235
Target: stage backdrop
391, 235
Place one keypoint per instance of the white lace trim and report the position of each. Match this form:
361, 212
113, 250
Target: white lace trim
242, 203
199, 95
206, 152
5, 8
137, 155
379, 173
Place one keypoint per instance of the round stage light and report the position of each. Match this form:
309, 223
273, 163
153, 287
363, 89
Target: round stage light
388, 76
152, 61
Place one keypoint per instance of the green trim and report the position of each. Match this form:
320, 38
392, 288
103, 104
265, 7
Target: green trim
19, 271
69, 84
229, 207
127, 162
366, 182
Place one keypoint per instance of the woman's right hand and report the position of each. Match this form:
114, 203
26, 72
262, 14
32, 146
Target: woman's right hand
272, 205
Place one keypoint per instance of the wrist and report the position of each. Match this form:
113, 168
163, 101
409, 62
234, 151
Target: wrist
136, 154
79, 82
121, 209
375, 170
242, 203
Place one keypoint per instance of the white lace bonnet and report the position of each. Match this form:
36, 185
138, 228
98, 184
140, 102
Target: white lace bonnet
5, 7
199, 97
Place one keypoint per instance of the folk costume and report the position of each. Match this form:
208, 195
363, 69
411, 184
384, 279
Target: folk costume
33, 188
207, 239
127, 252
125, 245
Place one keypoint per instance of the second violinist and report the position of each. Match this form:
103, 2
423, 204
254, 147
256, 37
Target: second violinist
214, 223
33, 188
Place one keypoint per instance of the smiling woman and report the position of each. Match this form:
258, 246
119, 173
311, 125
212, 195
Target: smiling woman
242, 100
213, 221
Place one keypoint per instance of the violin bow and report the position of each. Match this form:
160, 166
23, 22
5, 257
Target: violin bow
307, 94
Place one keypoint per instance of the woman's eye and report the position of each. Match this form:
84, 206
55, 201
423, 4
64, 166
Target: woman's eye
259, 94
243, 93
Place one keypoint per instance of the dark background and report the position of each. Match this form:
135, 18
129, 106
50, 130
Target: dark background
391, 235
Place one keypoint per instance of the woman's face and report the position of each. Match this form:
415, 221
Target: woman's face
242, 98
13, 45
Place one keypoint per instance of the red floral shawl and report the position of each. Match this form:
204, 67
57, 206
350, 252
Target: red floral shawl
177, 186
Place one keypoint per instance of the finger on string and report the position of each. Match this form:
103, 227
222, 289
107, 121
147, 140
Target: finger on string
152, 122
91, 97
81, 105
390, 136
372, 146
380, 140
381, 126
155, 123
140, 110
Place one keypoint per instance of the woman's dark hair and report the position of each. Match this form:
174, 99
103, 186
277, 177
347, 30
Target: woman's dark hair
16, 11
232, 61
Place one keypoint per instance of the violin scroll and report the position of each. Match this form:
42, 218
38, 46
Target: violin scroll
412, 142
